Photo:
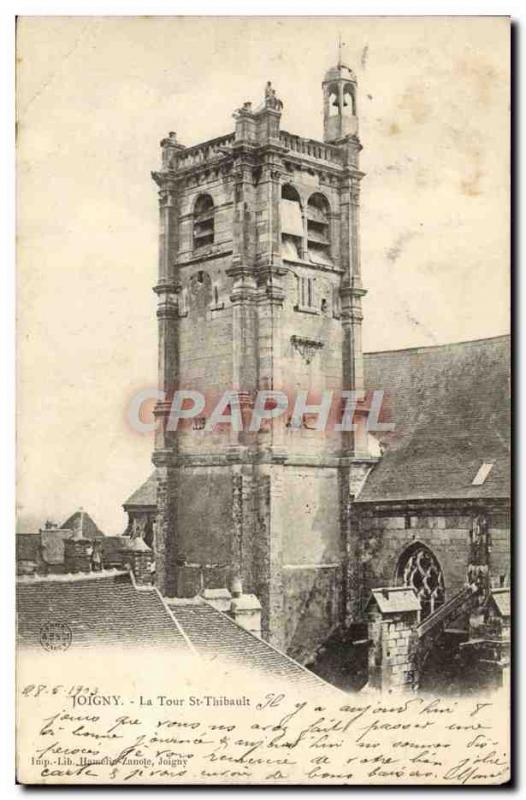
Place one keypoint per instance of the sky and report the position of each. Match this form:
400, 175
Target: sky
96, 95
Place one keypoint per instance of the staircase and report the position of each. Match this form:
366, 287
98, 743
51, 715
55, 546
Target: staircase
437, 622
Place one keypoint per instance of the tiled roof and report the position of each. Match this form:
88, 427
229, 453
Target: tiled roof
145, 495
82, 521
108, 609
99, 608
450, 406
215, 635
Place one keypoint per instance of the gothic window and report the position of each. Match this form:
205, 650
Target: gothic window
318, 229
419, 568
203, 221
291, 224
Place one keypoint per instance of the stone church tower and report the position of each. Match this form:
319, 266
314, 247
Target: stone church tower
260, 289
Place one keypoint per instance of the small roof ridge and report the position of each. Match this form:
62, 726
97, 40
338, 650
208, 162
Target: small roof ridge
426, 347
197, 600
72, 576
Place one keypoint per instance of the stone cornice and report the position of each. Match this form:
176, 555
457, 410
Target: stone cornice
445, 506
252, 455
352, 292
311, 265
166, 179
167, 287
196, 259
306, 164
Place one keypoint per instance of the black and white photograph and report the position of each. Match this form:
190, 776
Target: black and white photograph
263, 431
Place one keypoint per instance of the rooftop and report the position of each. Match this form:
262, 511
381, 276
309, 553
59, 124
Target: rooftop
107, 608
451, 408
48, 543
99, 608
216, 636
145, 495
395, 599
82, 522
502, 600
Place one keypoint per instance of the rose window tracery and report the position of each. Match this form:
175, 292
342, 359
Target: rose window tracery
421, 570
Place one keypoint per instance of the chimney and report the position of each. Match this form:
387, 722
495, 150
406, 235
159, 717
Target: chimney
140, 559
245, 609
77, 553
220, 599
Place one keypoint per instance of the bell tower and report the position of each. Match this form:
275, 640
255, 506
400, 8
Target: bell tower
340, 113
259, 290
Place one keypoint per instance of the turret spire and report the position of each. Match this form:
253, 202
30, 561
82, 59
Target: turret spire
340, 115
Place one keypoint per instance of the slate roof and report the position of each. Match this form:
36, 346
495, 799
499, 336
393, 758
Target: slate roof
216, 636
451, 408
395, 599
100, 608
502, 599
82, 521
145, 495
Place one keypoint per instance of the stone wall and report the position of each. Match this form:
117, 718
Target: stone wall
204, 517
312, 608
385, 533
392, 653
311, 552
499, 532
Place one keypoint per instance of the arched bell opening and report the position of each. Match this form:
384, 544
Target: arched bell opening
203, 221
292, 232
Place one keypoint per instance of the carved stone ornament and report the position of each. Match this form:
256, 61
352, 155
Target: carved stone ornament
271, 99
306, 347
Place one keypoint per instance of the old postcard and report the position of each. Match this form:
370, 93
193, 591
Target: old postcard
264, 510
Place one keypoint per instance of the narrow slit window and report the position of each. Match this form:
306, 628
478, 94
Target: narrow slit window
306, 294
